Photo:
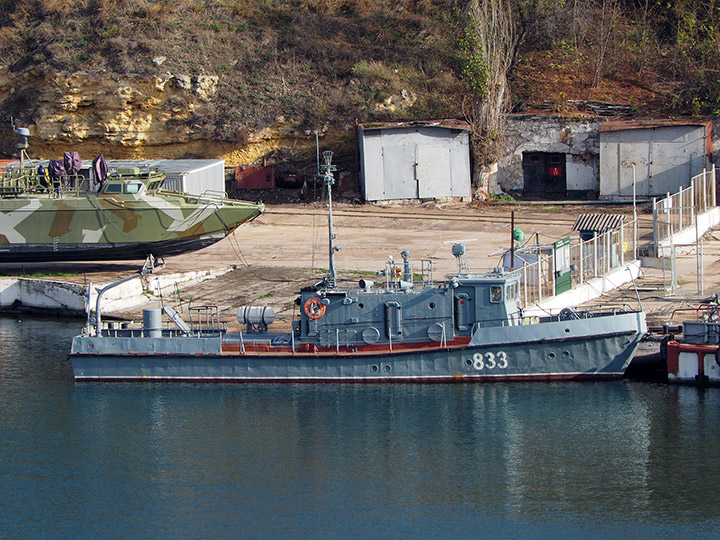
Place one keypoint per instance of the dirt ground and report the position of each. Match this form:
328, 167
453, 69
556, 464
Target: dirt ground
286, 248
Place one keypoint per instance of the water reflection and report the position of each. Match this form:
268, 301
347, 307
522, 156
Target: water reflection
502, 450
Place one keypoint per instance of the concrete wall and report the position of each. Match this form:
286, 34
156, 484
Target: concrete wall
42, 295
46, 296
578, 140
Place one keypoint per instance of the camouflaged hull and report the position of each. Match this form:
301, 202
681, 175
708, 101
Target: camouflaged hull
91, 226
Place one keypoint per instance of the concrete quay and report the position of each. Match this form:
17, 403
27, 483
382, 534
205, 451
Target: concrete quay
266, 261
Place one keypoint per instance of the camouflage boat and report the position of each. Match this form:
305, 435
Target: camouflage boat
408, 328
130, 216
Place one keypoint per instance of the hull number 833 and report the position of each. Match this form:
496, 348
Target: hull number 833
490, 360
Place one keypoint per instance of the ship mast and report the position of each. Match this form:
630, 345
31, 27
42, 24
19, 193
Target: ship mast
327, 168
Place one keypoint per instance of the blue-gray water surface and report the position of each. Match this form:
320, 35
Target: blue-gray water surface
536, 460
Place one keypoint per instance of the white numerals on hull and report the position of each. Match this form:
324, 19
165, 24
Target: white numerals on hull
490, 360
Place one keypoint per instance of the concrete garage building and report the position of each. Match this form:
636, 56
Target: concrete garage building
659, 157
548, 158
559, 158
415, 160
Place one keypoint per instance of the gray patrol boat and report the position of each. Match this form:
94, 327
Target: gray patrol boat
468, 327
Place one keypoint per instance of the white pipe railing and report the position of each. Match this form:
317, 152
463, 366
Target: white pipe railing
588, 260
678, 211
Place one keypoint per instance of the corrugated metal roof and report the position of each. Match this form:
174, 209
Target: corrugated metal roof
447, 124
619, 125
598, 222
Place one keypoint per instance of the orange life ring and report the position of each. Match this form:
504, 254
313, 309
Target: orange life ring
314, 309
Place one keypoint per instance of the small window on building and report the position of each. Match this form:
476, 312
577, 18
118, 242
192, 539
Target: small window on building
555, 159
496, 293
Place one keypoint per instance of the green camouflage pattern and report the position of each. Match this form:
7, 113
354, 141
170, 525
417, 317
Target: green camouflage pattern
129, 217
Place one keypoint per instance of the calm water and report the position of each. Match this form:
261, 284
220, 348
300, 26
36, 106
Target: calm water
606, 460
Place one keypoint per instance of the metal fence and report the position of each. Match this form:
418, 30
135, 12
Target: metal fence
598, 256
588, 260
678, 211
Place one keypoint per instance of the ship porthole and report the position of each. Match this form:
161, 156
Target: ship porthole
387, 368
566, 353
567, 330
361, 305
373, 369
468, 362
551, 355
432, 305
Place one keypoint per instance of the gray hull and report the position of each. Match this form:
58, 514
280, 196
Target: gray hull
583, 349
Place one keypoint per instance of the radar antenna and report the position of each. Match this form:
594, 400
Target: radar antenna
458, 250
23, 145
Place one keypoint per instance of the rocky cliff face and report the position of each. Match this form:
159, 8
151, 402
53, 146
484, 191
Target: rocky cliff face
133, 117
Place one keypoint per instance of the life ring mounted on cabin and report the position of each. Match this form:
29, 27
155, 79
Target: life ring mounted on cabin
314, 308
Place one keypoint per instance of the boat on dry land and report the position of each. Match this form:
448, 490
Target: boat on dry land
408, 327
65, 217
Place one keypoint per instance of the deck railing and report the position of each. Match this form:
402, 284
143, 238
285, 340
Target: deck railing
14, 182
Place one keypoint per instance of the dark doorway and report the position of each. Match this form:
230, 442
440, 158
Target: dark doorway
544, 175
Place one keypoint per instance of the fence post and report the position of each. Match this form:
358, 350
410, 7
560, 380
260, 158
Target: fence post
655, 227
680, 193
669, 224
539, 276
712, 186
608, 251
595, 256
693, 206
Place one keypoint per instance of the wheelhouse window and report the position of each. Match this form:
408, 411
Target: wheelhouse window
133, 187
113, 188
496, 293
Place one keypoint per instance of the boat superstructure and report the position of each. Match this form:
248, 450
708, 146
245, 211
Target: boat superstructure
404, 327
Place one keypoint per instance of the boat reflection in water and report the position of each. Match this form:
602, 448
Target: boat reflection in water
561, 455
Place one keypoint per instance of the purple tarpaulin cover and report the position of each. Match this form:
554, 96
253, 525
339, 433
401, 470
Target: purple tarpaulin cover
72, 162
56, 168
100, 169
